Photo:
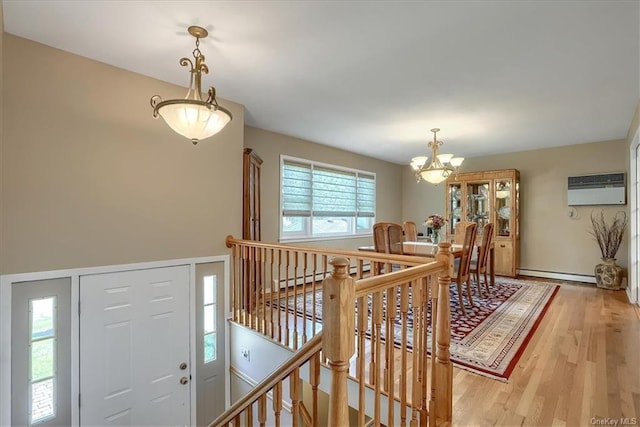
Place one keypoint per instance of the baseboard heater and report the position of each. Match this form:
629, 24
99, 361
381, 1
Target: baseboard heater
603, 189
571, 277
318, 277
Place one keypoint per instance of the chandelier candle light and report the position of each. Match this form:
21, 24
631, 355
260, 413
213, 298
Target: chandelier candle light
192, 117
441, 166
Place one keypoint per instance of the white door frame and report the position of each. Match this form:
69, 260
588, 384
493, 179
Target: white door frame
633, 285
7, 281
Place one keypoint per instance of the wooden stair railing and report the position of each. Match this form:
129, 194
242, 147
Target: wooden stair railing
272, 383
408, 386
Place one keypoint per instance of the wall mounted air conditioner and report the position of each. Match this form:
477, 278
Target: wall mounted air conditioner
603, 189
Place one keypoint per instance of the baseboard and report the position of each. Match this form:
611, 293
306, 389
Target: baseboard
583, 278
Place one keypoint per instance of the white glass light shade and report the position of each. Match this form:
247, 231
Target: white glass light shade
444, 158
194, 121
434, 176
418, 162
456, 161
502, 194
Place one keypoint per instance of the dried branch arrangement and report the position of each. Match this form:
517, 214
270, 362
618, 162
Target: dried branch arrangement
608, 236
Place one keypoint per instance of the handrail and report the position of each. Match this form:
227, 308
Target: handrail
305, 352
379, 283
375, 256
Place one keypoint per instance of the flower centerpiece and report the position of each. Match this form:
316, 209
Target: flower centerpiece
435, 223
609, 237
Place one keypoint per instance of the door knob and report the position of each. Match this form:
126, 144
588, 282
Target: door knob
184, 380
183, 366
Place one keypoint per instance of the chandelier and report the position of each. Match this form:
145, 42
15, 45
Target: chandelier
441, 166
192, 117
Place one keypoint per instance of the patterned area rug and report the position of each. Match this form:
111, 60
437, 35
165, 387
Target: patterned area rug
490, 339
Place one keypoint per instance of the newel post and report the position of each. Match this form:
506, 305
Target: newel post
338, 339
444, 369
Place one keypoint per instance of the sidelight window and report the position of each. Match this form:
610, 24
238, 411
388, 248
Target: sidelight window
210, 309
42, 359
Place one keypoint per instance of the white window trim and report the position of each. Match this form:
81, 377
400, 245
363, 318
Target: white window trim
306, 238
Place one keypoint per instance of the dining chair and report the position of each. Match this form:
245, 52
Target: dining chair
458, 231
394, 239
410, 231
479, 264
462, 275
387, 238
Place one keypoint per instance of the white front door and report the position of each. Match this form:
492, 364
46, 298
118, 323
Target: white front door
134, 346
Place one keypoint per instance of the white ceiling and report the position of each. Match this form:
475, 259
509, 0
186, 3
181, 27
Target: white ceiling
374, 77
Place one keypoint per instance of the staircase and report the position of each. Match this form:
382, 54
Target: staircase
330, 310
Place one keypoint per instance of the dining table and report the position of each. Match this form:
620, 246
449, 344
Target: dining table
429, 250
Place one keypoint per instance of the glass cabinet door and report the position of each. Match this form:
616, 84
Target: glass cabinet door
478, 204
455, 206
503, 195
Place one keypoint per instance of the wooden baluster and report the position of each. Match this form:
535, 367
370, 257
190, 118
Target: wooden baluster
314, 378
416, 303
433, 281
444, 369
404, 310
294, 394
392, 301
389, 334
248, 416
277, 403
295, 299
281, 309
271, 295
245, 284
262, 410
286, 298
305, 289
325, 270
377, 364
361, 359
235, 284
424, 359
261, 313
338, 296
313, 297
237, 421
251, 291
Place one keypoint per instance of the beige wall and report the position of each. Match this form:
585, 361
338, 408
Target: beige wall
270, 146
635, 124
90, 178
550, 239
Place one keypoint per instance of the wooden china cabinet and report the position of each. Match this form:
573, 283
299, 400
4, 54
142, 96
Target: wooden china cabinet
489, 196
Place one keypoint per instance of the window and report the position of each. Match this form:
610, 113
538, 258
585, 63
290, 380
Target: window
210, 309
42, 359
320, 200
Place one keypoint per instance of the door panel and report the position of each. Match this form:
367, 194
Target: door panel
41, 352
134, 336
504, 257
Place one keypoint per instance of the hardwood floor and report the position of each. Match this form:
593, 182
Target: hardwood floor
582, 367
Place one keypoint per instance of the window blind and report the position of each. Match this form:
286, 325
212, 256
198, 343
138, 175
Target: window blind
296, 189
366, 195
314, 190
333, 192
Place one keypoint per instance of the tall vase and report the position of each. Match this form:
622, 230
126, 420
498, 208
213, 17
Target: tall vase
609, 274
435, 236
